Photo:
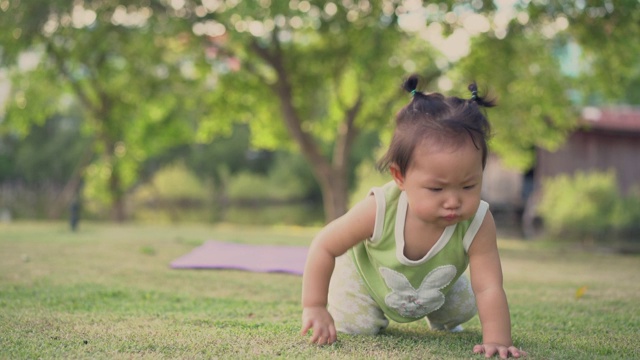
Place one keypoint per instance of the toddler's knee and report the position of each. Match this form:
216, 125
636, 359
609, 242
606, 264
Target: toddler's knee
361, 328
358, 320
468, 314
452, 317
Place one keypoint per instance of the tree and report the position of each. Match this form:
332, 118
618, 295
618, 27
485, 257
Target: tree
609, 70
134, 71
554, 58
329, 69
316, 73
534, 109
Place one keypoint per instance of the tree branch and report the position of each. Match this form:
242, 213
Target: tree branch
80, 92
282, 88
346, 134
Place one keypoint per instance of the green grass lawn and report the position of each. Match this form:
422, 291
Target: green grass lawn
107, 292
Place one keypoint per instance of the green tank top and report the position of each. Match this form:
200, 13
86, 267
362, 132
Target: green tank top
407, 290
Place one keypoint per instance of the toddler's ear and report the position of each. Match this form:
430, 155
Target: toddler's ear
397, 176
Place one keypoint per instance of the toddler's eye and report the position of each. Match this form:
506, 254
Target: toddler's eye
434, 189
469, 187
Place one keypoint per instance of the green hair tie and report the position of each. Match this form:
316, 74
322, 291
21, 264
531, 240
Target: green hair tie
413, 92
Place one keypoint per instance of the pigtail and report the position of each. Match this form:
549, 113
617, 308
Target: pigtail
410, 85
480, 100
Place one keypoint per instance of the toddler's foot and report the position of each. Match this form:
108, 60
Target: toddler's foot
439, 327
456, 329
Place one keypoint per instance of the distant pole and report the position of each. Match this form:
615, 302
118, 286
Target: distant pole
74, 217
74, 211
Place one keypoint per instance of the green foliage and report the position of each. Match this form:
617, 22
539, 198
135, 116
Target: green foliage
173, 183
7, 168
173, 194
248, 187
249, 196
37, 166
291, 169
608, 70
150, 77
137, 74
96, 193
251, 187
588, 206
288, 178
230, 153
286, 214
368, 177
533, 108
627, 217
313, 76
29, 158
329, 60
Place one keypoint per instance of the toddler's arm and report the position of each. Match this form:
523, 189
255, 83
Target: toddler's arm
332, 241
486, 280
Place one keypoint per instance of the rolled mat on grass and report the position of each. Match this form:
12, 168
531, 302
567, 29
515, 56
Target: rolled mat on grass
233, 256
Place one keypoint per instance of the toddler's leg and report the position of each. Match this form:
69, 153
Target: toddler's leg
352, 308
459, 307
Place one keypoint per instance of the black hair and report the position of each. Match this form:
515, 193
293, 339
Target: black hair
437, 118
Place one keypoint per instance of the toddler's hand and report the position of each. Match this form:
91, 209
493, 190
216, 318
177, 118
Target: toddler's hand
496, 349
320, 321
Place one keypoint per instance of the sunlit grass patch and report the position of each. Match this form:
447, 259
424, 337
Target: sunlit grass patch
107, 292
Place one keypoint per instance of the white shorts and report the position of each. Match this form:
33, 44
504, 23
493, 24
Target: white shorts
355, 312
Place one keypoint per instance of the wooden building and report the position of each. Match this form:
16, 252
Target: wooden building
608, 138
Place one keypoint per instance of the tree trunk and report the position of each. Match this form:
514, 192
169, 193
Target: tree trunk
331, 175
114, 185
335, 196
118, 212
73, 186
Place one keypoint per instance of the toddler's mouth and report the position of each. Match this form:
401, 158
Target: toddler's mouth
450, 217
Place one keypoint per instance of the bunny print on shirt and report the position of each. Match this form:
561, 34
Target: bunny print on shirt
417, 303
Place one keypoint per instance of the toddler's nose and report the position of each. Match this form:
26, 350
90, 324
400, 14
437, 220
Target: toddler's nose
453, 202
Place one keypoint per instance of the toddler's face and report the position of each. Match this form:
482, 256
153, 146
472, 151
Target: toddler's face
443, 183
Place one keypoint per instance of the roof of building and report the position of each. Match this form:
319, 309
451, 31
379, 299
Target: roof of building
612, 118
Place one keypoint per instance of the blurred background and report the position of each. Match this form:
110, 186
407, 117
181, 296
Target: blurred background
275, 112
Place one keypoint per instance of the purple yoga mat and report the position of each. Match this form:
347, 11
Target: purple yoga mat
256, 258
